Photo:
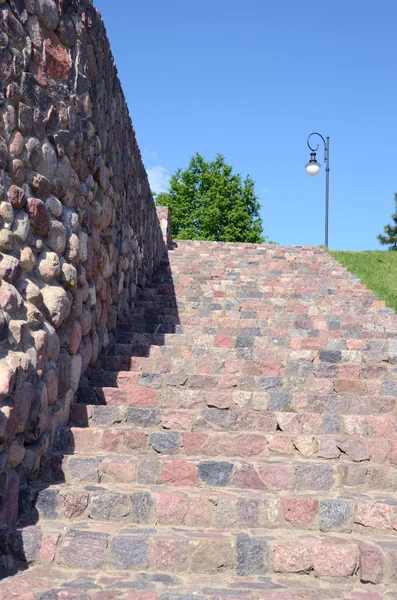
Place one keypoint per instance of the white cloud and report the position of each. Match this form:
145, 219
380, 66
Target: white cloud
159, 179
149, 154
265, 190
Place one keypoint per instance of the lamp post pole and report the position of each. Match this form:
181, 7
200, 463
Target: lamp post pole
313, 168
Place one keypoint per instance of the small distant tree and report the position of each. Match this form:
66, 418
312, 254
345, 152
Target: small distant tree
389, 238
207, 201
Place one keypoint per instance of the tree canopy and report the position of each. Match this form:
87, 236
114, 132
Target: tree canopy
207, 201
389, 238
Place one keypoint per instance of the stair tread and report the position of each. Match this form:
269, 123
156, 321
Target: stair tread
222, 510
126, 487
274, 536
208, 472
118, 439
211, 417
390, 402
152, 586
183, 551
239, 459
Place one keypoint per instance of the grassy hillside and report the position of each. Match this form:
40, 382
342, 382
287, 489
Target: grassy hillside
378, 270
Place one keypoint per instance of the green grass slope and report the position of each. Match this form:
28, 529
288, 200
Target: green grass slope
376, 269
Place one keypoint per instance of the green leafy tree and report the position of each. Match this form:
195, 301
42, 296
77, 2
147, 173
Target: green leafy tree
208, 201
389, 238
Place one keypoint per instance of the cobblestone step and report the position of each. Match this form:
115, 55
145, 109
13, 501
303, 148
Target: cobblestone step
66, 584
260, 392
184, 312
289, 443
347, 377
378, 329
352, 421
181, 552
277, 348
225, 510
196, 472
187, 291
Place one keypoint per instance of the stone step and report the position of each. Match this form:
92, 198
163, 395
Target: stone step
182, 552
218, 509
224, 291
287, 349
85, 584
271, 307
313, 377
117, 369
263, 314
255, 284
211, 259
181, 277
222, 288
201, 472
265, 317
254, 337
210, 271
243, 277
264, 299
231, 306
345, 420
292, 444
177, 388
294, 293
376, 329
245, 282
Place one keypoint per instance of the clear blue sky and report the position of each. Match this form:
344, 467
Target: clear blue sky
251, 80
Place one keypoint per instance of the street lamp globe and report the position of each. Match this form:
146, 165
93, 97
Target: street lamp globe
313, 167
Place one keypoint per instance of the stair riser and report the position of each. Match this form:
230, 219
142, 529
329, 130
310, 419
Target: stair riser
246, 445
363, 326
238, 374
234, 392
238, 555
223, 511
270, 299
256, 475
278, 348
339, 384
160, 333
262, 314
188, 419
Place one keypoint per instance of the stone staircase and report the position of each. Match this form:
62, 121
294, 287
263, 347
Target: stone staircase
239, 443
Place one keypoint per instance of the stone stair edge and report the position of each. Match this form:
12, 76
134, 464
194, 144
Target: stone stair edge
217, 509
122, 528
328, 557
113, 441
384, 497
89, 585
255, 461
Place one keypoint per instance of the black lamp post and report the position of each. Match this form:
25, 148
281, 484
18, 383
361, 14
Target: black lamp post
313, 169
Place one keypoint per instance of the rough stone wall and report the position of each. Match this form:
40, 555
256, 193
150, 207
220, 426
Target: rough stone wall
79, 231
